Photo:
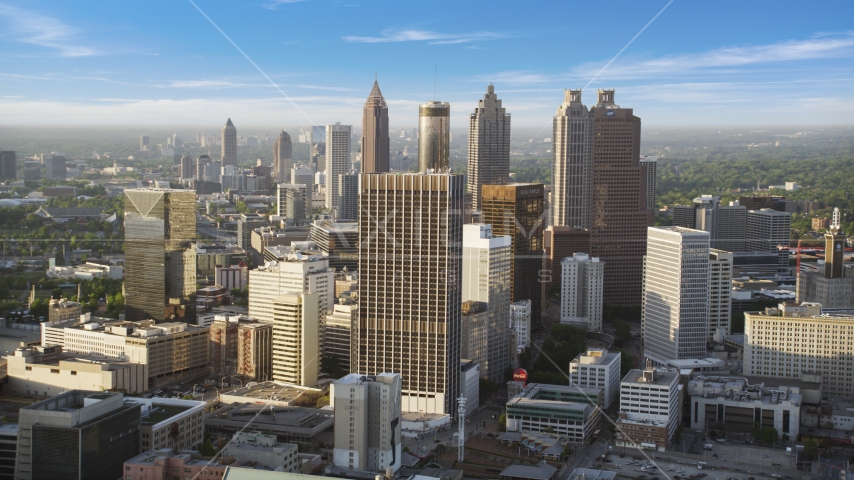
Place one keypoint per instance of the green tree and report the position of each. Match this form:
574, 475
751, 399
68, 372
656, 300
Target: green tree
810, 450
768, 435
622, 330
627, 362
677, 435
207, 449
502, 422
39, 308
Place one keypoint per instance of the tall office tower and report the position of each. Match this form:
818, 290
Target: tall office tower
651, 175
487, 261
582, 278
489, 145
144, 143
291, 204
434, 136
160, 255
517, 210
560, 242
720, 291
97, 431
304, 176
8, 166
684, 216
776, 344
245, 225
229, 144
831, 287
296, 342
336, 332
726, 225
203, 164
367, 432
520, 323
339, 242
618, 214
298, 273
188, 170
337, 160
410, 275
348, 197
177, 142
54, 166
767, 230
283, 157
675, 318
317, 147
572, 162
375, 146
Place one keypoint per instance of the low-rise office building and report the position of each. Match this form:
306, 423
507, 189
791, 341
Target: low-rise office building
597, 368
164, 463
260, 449
718, 401
48, 371
649, 409
169, 349
170, 423
289, 424
567, 411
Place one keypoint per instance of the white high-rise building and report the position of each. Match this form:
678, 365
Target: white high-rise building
486, 279
572, 162
367, 422
337, 160
675, 318
720, 291
489, 145
597, 368
582, 278
299, 273
296, 342
520, 322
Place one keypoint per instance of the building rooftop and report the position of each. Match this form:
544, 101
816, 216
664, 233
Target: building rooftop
543, 471
591, 474
596, 356
659, 377
277, 393
739, 389
562, 396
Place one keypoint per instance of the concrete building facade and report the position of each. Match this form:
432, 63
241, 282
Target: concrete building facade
649, 409
582, 280
597, 368
337, 160
296, 342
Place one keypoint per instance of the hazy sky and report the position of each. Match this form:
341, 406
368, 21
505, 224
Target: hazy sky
163, 62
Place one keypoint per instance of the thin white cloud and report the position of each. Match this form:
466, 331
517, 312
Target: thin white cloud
433, 38
274, 5
209, 84
151, 53
820, 46
37, 29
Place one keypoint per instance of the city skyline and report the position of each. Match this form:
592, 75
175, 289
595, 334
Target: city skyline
683, 69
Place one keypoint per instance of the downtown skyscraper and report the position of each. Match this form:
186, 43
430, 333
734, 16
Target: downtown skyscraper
410, 285
337, 161
600, 184
572, 162
434, 136
160, 255
489, 146
375, 142
229, 144
283, 157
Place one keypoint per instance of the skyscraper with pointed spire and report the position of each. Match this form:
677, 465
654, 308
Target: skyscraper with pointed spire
283, 157
489, 146
229, 144
375, 147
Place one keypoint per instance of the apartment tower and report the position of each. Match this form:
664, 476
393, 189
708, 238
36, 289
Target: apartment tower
337, 160
410, 278
375, 142
720, 291
296, 342
434, 136
229, 144
581, 291
489, 145
160, 255
283, 157
675, 318
572, 162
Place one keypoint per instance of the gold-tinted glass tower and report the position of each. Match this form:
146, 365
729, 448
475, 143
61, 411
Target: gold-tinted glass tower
160, 255
375, 146
410, 285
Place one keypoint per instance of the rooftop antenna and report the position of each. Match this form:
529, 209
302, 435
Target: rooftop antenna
435, 67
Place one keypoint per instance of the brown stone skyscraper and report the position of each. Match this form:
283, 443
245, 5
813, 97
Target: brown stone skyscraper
618, 214
375, 133
517, 210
